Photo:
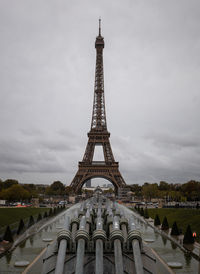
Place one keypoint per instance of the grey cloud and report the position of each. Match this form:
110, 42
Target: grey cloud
66, 133
151, 65
55, 145
174, 140
26, 157
31, 132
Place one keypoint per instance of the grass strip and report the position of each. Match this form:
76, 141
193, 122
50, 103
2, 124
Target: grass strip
12, 215
182, 216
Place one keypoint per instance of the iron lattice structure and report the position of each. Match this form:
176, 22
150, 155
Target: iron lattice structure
98, 135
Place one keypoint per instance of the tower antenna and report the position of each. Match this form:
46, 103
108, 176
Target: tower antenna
99, 26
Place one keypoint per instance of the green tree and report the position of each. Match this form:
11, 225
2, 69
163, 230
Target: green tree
164, 186
191, 190
136, 189
150, 190
175, 195
15, 193
10, 182
41, 189
57, 188
49, 191
1, 185
31, 188
68, 190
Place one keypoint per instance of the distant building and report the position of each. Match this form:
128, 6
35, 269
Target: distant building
35, 202
72, 199
123, 193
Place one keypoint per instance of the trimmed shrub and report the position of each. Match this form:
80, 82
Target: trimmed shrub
175, 231
50, 212
188, 237
31, 221
173, 245
8, 257
8, 235
165, 224
146, 214
20, 227
157, 220
39, 217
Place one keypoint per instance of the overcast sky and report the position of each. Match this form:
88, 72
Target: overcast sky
151, 75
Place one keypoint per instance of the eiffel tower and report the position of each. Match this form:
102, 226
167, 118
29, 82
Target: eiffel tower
98, 135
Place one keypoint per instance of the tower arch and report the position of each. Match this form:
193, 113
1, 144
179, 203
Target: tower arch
108, 178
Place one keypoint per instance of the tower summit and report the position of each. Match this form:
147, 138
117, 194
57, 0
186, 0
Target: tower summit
99, 114
98, 134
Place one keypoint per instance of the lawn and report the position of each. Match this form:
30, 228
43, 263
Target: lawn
182, 216
12, 215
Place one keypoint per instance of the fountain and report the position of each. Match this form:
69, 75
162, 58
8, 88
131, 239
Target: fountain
100, 254
99, 239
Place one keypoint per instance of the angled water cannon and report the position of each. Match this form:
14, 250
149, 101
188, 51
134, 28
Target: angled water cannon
82, 238
124, 226
64, 238
116, 237
99, 237
74, 224
135, 240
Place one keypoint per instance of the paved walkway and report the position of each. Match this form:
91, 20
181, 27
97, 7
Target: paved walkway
196, 249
